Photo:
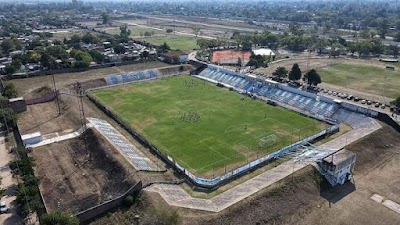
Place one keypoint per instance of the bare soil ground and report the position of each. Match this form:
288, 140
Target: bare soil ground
70, 182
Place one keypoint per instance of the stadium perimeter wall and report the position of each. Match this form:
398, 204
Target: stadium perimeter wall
217, 181
98, 210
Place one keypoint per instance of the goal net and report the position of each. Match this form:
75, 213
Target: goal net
267, 141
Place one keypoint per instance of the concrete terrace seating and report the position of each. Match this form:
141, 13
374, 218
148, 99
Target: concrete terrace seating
294, 99
133, 76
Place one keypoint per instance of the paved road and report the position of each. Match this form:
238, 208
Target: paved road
9, 184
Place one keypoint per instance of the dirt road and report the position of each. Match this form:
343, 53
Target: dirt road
9, 184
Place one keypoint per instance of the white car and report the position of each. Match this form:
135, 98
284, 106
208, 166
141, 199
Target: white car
3, 207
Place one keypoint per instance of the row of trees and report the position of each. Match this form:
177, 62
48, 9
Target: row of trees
295, 74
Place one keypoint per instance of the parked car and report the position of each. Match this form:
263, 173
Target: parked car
325, 90
350, 97
369, 102
363, 101
377, 104
3, 207
383, 106
356, 99
330, 92
334, 93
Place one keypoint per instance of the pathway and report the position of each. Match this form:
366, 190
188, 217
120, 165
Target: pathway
174, 195
55, 137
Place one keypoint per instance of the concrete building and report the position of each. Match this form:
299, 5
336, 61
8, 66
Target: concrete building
33, 138
17, 104
338, 167
264, 52
174, 57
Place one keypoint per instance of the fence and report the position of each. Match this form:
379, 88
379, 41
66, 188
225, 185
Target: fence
214, 182
48, 98
98, 210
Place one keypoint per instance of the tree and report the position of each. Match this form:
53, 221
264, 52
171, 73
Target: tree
10, 91
9, 116
246, 45
97, 56
383, 28
119, 49
396, 102
312, 77
59, 218
321, 44
280, 73
57, 51
7, 45
83, 59
196, 30
124, 33
295, 73
75, 39
145, 54
10, 69
89, 38
105, 18
397, 37
169, 30
165, 47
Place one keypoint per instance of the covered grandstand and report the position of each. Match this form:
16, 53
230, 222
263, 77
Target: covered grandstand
311, 104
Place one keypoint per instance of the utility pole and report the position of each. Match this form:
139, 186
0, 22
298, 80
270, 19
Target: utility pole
56, 93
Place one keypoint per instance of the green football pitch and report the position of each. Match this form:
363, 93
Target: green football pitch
203, 127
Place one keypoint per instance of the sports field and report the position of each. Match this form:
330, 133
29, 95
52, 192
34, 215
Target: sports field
371, 79
175, 42
203, 127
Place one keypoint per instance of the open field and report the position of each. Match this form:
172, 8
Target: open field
229, 130
135, 31
175, 42
372, 79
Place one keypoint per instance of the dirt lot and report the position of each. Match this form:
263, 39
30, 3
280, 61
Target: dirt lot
70, 182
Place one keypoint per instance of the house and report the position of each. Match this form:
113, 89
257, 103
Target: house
112, 58
174, 57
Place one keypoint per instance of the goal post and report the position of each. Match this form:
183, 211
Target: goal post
267, 141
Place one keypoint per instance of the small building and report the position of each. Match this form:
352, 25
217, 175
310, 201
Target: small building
338, 166
264, 52
17, 104
31, 139
174, 57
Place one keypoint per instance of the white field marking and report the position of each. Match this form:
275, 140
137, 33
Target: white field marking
227, 130
211, 148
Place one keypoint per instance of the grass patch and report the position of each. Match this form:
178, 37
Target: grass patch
228, 131
365, 78
175, 42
